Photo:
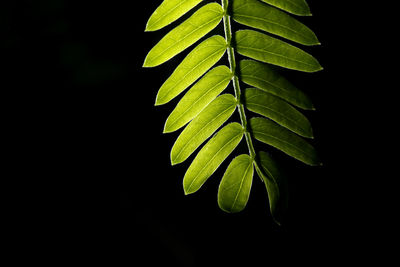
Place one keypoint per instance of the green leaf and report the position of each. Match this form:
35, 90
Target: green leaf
198, 97
264, 77
184, 35
272, 134
211, 156
168, 12
297, 7
194, 65
255, 14
277, 110
262, 47
276, 186
234, 189
202, 127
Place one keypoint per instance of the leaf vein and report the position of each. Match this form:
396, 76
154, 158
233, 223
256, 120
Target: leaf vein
240, 187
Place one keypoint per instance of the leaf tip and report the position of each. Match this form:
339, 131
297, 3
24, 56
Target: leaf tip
146, 63
169, 126
173, 160
149, 28
187, 191
309, 133
150, 61
223, 208
158, 101
317, 68
166, 130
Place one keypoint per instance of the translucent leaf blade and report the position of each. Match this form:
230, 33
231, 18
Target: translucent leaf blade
277, 110
184, 35
270, 50
193, 66
168, 12
211, 156
272, 134
255, 14
264, 77
202, 127
297, 7
276, 186
234, 189
198, 97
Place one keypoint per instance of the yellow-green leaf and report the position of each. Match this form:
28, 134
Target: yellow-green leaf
168, 12
234, 189
211, 156
190, 31
198, 97
272, 134
255, 14
264, 77
202, 127
297, 7
270, 50
277, 110
194, 65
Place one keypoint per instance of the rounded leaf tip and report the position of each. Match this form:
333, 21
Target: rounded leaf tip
187, 191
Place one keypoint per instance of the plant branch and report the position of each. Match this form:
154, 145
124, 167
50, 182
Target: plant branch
236, 86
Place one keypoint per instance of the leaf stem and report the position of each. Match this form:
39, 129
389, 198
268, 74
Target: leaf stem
236, 86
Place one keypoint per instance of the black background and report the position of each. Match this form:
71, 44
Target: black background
94, 146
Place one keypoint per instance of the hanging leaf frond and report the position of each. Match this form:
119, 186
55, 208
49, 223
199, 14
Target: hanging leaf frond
205, 113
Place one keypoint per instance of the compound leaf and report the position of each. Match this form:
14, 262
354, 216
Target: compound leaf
190, 31
270, 50
234, 189
297, 7
264, 77
202, 127
204, 111
255, 14
195, 64
272, 134
277, 110
198, 97
211, 156
168, 12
